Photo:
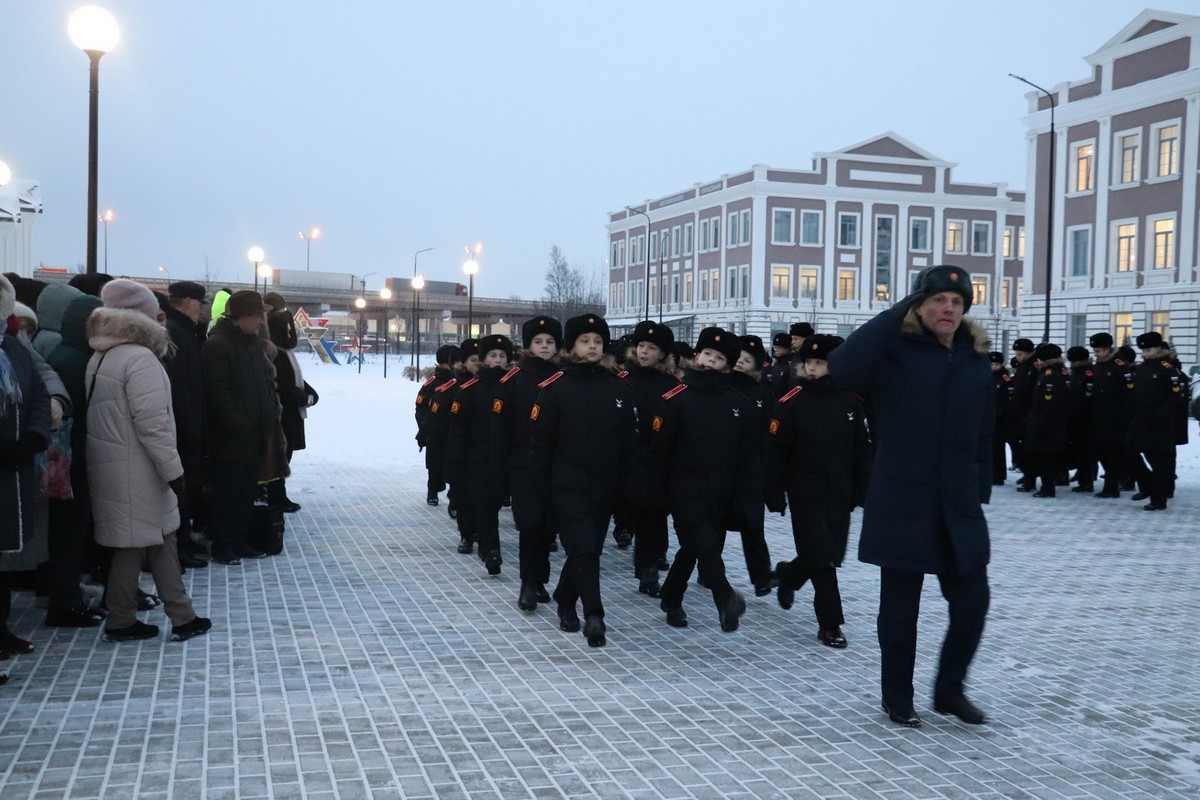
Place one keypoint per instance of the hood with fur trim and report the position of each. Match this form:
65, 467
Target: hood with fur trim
911, 326
109, 327
52, 304
8, 298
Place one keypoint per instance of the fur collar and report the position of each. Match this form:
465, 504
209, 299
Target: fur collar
1052, 362
109, 327
911, 326
8, 298
608, 361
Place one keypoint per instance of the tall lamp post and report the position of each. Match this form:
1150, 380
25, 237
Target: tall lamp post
386, 295
95, 32
256, 255
163, 269
106, 218
646, 282
361, 305
415, 289
418, 283
315, 233
471, 267
1049, 207
265, 271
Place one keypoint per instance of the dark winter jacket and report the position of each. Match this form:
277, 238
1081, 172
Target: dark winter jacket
932, 428
775, 377
819, 453
441, 374
648, 385
1003, 385
1049, 409
239, 394
437, 423
1079, 411
1112, 404
708, 446
761, 402
521, 383
186, 372
70, 358
1158, 393
1024, 376
479, 437
294, 400
24, 432
584, 436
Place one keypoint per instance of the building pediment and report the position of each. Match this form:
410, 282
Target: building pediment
888, 145
1145, 24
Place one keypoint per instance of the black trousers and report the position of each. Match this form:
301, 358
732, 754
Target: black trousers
485, 514
999, 462
582, 539
758, 555
1044, 465
1156, 479
1115, 460
234, 488
827, 598
534, 554
650, 539
701, 543
899, 606
437, 480
67, 536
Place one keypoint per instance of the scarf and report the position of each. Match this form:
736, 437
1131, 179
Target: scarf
10, 387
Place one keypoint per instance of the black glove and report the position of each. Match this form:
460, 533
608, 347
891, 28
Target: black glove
421, 441
177, 486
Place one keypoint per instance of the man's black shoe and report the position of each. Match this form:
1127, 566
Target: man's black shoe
542, 595
1083, 487
676, 616
452, 511
902, 716
465, 547
527, 599
1023, 488
960, 707
593, 630
650, 586
1140, 496
225, 557
568, 620
431, 499
732, 612
1044, 493
832, 637
1107, 494
190, 561
663, 564
79, 616
624, 537
246, 551
197, 627
290, 506
493, 562
1154, 507
138, 630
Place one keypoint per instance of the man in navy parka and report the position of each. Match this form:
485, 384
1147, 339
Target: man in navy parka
925, 372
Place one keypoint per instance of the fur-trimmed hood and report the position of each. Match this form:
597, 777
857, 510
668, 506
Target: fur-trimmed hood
109, 327
911, 326
8, 298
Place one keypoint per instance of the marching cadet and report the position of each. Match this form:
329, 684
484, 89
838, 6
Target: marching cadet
776, 375
1018, 408
477, 449
438, 422
1111, 412
540, 337
746, 381
819, 453
681, 359
1158, 395
622, 351
648, 378
584, 435
442, 375
1045, 437
1003, 383
706, 444
1184, 409
797, 333
1080, 455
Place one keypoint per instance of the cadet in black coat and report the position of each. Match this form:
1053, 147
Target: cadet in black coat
442, 374
1159, 395
1018, 406
776, 376
535, 530
648, 379
1003, 384
464, 368
819, 453
477, 449
584, 435
1045, 436
746, 381
925, 370
1111, 412
707, 445
1080, 455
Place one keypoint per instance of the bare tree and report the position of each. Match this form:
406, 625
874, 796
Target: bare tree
569, 292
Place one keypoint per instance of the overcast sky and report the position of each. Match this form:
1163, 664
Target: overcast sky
396, 126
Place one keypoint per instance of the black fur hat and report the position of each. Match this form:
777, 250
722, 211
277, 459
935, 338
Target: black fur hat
722, 341
1023, 346
1101, 340
495, 342
996, 357
683, 351
818, 346
802, 329
1078, 353
945, 278
754, 346
654, 333
1149, 339
467, 348
1045, 352
781, 339
541, 324
446, 354
585, 323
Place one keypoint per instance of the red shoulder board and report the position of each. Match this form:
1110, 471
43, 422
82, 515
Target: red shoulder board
550, 380
674, 391
791, 394
509, 374
1168, 364
1087, 372
1006, 378
622, 373
1118, 362
446, 385
432, 378
469, 383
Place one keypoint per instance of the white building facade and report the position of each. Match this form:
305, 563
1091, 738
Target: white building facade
1126, 180
832, 245
20, 204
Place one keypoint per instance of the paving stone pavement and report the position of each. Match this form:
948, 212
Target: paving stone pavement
372, 660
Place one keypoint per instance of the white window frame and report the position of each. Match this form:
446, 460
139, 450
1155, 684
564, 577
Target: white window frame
801, 272
854, 274
978, 223
1071, 253
689, 288
857, 230
621, 253
744, 281
703, 294
1009, 239
820, 215
791, 225
1114, 264
1006, 296
704, 236
1118, 159
613, 257
715, 231
1155, 134
1073, 179
1152, 242
787, 295
746, 231
653, 254
675, 241
734, 229
689, 238
1021, 241
978, 281
965, 229
731, 288
928, 238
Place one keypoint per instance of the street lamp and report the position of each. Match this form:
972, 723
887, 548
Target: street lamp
315, 233
418, 283
5, 174
1049, 207
471, 267
265, 271
163, 269
361, 305
106, 218
646, 282
386, 294
95, 32
255, 254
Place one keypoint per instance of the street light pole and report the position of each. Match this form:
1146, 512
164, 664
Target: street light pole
264, 271
361, 304
163, 269
646, 282
418, 283
414, 289
106, 218
256, 255
1049, 207
94, 31
471, 267
313, 234
386, 294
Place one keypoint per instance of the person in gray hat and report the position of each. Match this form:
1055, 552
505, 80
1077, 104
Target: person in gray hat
187, 399
243, 415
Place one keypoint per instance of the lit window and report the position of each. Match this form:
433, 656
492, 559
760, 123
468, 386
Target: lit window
781, 282
918, 237
1130, 146
781, 226
979, 290
847, 284
810, 228
1168, 150
1006, 293
981, 238
704, 286
687, 288
1008, 241
847, 230
808, 282
956, 236
1161, 321
1164, 243
1126, 247
1084, 163
715, 278
1122, 328
1021, 242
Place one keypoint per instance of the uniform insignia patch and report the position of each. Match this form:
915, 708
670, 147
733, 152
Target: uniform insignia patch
620, 403
454, 407
509, 374
533, 415
623, 373
674, 391
434, 408
420, 399
773, 428
656, 423
550, 380
497, 406
737, 412
790, 394
850, 416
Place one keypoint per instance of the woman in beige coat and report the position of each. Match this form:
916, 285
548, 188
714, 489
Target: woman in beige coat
133, 464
